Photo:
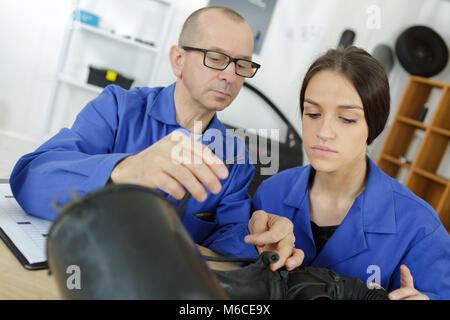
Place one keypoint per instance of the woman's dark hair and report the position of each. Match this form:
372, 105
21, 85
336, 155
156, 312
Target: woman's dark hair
368, 77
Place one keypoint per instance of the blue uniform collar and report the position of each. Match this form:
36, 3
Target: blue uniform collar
375, 202
372, 211
162, 108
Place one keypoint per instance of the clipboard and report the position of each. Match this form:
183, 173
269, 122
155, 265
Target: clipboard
25, 263
23, 234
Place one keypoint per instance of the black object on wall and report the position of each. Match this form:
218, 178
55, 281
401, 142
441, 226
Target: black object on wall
384, 54
347, 38
421, 51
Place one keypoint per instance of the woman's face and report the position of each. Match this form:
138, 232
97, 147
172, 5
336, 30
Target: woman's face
333, 124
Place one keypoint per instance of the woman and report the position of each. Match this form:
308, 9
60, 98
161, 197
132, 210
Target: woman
348, 215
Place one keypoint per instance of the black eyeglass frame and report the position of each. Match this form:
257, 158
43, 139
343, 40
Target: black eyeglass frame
230, 60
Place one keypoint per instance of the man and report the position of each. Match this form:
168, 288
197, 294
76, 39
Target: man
137, 137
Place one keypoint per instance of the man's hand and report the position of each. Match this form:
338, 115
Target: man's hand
269, 232
407, 290
171, 163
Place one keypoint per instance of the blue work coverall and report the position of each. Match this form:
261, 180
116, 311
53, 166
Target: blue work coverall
117, 124
387, 226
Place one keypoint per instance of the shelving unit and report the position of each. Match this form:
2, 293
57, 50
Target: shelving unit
423, 165
74, 26
83, 85
105, 33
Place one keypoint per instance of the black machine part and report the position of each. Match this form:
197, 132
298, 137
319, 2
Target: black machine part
128, 243
257, 281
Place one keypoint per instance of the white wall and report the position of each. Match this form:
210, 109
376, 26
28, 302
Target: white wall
31, 34
30, 37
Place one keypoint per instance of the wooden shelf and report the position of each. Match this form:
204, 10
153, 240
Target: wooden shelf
426, 188
432, 151
429, 82
412, 122
441, 131
396, 161
423, 144
431, 176
444, 206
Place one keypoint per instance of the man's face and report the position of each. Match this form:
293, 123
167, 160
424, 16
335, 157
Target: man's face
216, 89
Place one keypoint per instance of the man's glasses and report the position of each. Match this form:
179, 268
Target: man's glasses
220, 61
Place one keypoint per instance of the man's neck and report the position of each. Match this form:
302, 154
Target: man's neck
189, 113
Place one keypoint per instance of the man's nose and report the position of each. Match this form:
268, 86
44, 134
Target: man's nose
229, 74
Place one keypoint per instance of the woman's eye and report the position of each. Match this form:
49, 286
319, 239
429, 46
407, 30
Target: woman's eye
313, 115
348, 120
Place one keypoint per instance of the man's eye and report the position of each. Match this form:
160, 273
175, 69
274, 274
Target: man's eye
244, 64
313, 115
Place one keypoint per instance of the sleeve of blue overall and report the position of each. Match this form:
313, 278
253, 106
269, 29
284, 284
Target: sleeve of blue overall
78, 158
429, 263
233, 214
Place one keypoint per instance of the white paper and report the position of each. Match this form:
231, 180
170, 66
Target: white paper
29, 234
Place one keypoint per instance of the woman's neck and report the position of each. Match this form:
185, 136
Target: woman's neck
332, 194
342, 185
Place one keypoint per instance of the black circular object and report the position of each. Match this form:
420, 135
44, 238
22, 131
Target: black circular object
421, 51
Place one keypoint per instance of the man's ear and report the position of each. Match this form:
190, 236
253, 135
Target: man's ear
177, 57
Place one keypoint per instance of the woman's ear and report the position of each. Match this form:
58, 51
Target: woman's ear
176, 57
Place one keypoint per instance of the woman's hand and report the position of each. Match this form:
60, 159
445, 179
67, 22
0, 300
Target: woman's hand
407, 290
269, 232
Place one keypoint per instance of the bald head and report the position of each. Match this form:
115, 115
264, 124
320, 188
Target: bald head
192, 27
